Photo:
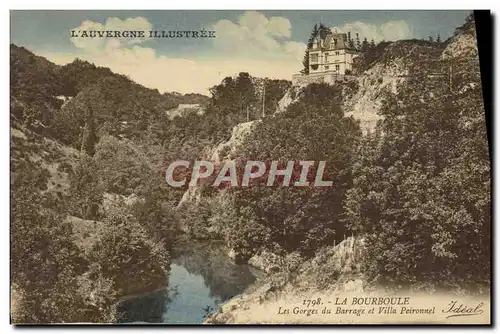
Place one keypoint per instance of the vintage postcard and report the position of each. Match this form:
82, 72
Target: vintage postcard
251, 167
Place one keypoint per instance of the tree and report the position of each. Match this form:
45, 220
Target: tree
314, 128
85, 190
156, 212
45, 261
431, 39
365, 45
247, 95
428, 176
120, 166
351, 42
468, 26
323, 31
320, 31
438, 38
89, 138
310, 42
125, 247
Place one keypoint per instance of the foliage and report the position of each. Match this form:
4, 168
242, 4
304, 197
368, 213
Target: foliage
33, 88
187, 137
310, 43
118, 166
54, 281
428, 176
98, 295
468, 27
156, 213
317, 30
56, 99
233, 97
89, 139
125, 249
369, 57
44, 260
425, 173
86, 192
313, 128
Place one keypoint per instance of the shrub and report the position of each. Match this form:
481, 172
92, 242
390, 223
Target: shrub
124, 249
428, 176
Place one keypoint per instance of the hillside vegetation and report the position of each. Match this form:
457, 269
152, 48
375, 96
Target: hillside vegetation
412, 193
90, 205
418, 198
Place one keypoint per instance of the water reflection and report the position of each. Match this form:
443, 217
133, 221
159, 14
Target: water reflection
146, 308
201, 278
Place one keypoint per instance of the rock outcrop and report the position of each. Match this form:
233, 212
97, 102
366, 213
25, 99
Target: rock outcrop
339, 262
185, 108
224, 151
364, 92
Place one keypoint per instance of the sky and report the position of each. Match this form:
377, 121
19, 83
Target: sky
263, 43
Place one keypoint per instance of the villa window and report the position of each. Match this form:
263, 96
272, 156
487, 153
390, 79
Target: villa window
337, 68
337, 53
326, 58
327, 67
314, 58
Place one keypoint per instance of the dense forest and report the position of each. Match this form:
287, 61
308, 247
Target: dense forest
417, 190
90, 147
84, 135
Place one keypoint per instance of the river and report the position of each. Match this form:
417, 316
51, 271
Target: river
201, 278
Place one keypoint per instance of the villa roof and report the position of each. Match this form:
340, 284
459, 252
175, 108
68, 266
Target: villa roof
329, 42
341, 41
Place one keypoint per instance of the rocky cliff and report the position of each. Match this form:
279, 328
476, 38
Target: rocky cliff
336, 269
224, 151
380, 71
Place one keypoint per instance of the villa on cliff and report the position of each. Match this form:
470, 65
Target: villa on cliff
331, 54
329, 57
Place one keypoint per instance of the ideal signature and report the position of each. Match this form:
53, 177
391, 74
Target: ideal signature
457, 310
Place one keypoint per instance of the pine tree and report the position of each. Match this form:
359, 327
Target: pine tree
365, 45
321, 31
89, 136
310, 43
431, 39
358, 43
351, 41
438, 39
372, 44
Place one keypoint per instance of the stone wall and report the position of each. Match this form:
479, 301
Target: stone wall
307, 79
324, 77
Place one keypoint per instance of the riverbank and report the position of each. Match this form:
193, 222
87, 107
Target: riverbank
333, 270
201, 278
328, 288
262, 304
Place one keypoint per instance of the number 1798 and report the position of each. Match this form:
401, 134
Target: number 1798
311, 302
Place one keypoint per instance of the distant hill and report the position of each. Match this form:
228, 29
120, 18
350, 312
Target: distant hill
55, 99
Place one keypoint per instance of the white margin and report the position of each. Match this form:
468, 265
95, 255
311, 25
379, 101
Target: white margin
214, 4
